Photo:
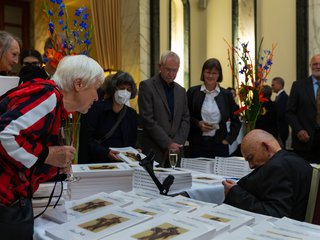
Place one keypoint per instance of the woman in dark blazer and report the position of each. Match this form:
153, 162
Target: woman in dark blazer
104, 114
211, 106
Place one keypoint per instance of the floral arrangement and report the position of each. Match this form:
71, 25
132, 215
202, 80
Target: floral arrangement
255, 75
67, 37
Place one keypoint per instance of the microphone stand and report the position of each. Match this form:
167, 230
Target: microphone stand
147, 164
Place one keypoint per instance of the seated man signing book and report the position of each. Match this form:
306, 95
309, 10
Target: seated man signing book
278, 186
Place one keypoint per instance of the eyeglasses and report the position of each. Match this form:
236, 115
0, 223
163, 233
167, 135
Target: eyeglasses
37, 64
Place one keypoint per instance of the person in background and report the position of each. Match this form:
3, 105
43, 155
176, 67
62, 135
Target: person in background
281, 104
268, 120
110, 122
163, 109
31, 62
279, 184
10, 47
303, 114
30, 118
210, 107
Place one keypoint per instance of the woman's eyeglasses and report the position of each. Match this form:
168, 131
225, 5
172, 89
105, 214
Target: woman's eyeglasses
37, 64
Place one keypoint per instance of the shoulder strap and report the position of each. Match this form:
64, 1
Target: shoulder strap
119, 119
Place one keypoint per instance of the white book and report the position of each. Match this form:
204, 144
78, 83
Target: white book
307, 229
257, 217
185, 201
173, 206
166, 227
153, 210
95, 203
220, 227
7, 83
101, 170
235, 220
131, 196
128, 154
281, 232
207, 178
97, 225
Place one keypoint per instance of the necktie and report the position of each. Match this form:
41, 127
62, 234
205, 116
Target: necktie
318, 104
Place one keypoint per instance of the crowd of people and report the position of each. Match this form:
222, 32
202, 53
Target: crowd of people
32, 113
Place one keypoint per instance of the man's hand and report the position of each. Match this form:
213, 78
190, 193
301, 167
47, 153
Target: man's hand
60, 156
175, 146
113, 155
303, 136
228, 184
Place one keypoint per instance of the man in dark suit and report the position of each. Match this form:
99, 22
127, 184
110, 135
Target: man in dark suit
164, 110
281, 103
279, 184
302, 114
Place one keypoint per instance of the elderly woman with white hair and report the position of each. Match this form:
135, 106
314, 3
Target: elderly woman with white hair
9, 52
30, 118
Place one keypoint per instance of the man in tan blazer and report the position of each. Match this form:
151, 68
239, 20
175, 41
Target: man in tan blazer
164, 110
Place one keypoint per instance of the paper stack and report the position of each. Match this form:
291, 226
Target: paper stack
236, 167
142, 180
200, 164
104, 177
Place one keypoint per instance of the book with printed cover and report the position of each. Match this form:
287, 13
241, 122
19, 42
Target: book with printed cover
97, 225
206, 178
129, 155
131, 196
220, 227
224, 215
73, 209
101, 170
185, 201
172, 206
257, 217
296, 227
167, 226
154, 210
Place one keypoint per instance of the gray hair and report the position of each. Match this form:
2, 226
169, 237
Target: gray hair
168, 54
75, 67
6, 40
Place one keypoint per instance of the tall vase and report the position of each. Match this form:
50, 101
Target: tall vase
248, 126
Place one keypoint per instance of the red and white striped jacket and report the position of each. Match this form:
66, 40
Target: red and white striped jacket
30, 117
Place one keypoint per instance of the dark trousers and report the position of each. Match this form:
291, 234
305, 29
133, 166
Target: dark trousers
16, 221
313, 155
209, 148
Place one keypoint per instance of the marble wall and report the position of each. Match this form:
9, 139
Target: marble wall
314, 27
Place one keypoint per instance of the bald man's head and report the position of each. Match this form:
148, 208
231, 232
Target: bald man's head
258, 147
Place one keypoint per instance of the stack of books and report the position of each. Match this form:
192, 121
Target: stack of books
236, 167
104, 177
77, 208
142, 180
200, 164
97, 225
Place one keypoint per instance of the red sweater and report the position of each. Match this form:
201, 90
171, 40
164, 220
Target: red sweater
30, 118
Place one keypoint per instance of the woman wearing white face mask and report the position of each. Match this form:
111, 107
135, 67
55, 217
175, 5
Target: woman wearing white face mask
111, 122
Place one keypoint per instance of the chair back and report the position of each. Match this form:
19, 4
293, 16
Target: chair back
313, 207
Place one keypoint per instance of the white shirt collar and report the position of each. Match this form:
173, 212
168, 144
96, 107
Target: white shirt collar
204, 89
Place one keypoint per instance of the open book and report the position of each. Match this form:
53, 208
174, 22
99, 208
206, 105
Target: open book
129, 155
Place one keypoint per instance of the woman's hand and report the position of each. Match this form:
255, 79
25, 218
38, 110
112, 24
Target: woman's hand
60, 156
